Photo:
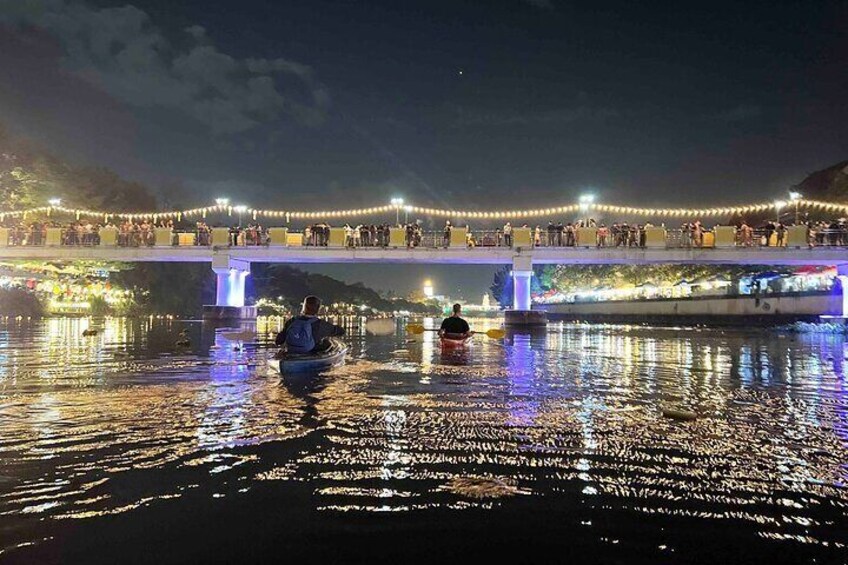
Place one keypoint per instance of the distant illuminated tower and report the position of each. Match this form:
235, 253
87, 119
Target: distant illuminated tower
428, 288
486, 300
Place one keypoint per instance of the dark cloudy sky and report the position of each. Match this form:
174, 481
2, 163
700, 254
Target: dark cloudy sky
477, 104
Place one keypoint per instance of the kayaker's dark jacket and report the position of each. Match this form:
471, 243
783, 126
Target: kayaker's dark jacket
321, 330
455, 325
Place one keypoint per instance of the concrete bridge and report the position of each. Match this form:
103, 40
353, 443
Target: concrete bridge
232, 263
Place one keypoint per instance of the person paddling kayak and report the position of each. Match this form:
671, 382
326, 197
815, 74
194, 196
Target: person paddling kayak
454, 326
308, 333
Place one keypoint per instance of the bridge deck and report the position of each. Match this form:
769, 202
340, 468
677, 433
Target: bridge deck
476, 256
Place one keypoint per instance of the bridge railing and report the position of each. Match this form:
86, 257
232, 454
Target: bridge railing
594, 237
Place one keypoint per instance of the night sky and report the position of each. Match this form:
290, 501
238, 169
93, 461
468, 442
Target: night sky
482, 105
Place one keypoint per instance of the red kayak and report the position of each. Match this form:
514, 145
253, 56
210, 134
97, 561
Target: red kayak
453, 341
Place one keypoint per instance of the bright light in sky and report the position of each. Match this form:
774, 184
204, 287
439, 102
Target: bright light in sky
428, 288
55, 201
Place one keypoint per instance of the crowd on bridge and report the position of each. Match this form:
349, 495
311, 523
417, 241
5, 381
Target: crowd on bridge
412, 234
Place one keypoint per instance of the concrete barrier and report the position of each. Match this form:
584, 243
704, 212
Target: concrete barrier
522, 237
459, 237
294, 239
109, 237
278, 237
587, 237
797, 236
397, 237
54, 236
655, 237
221, 237
186, 239
724, 236
164, 237
337, 237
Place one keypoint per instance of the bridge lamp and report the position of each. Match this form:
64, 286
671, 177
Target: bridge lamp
397, 203
795, 197
778, 205
586, 200
240, 209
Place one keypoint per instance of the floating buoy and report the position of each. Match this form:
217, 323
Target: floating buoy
683, 415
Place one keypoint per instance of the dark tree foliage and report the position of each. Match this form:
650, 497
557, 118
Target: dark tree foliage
30, 176
170, 288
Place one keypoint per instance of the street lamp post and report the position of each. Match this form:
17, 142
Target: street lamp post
796, 198
586, 201
778, 205
240, 209
397, 203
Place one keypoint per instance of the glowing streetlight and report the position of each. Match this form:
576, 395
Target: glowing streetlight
795, 197
222, 201
586, 200
778, 206
241, 208
397, 203
55, 202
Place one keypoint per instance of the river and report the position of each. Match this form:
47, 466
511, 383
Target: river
123, 448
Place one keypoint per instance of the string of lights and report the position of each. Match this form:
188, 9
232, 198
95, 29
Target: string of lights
584, 207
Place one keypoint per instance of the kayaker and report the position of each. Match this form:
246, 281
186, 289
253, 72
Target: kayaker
308, 333
454, 325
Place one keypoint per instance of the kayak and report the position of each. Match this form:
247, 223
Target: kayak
455, 341
303, 362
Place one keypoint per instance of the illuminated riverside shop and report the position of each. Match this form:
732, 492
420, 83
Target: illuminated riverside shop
804, 279
65, 289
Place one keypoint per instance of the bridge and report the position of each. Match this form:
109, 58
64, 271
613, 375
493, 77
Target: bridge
230, 258
232, 263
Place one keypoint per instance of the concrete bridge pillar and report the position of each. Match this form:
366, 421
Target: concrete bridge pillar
522, 313
229, 292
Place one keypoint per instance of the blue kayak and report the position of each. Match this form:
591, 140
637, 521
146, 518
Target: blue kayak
305, 362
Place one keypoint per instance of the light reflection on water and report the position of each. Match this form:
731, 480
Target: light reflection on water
105, 425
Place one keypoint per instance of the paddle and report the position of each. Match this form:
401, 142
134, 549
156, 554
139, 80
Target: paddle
418, 329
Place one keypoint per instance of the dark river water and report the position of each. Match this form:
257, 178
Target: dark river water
551, 447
